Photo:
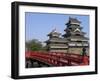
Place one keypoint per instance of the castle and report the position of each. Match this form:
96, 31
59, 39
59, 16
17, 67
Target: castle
72, 41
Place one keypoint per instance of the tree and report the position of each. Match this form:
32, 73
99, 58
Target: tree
33, 45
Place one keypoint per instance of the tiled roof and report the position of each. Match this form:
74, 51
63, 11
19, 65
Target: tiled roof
78, 37
74, 20
58, 40
54, 32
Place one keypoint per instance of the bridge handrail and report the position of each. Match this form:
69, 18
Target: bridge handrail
55, 56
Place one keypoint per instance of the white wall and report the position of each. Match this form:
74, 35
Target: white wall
5, 40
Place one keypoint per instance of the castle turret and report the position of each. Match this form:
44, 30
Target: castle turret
55, 43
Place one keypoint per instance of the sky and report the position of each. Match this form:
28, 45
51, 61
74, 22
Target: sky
38, 25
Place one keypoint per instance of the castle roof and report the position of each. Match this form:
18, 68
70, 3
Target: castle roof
54, 32
60, 40
78, 38
73, 20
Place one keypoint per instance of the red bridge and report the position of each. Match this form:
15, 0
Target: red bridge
58, 59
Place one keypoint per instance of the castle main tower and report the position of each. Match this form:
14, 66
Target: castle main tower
75, 36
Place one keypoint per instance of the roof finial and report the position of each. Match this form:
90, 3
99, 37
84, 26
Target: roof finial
54, 30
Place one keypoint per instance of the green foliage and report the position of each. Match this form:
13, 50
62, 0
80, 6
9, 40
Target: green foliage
34, 45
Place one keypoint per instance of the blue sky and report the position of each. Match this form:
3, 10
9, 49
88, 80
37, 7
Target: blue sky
38, 25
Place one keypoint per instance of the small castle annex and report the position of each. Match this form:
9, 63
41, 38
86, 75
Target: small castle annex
72, 41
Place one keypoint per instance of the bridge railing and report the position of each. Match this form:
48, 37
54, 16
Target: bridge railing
57, 59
